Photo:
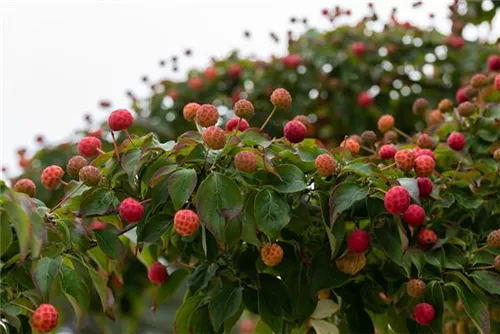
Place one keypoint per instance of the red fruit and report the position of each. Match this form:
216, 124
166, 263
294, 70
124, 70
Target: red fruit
245, 161
415, 288
195, 83
445, 105
233, 123
214, 137
358, 48
325, 164
426, 152
186, 222
424, 186
207, 115
385, 123
397, 200
281, 98
358, 241
173, 93
247, 326
387, 151
435, 117
244, 109
131, 211
120, 119
456, 42
235, 71
461, 96
291, 61
414, 215
90, 176
405, 159
89, 147
45, 318
497, 82
295, 131
424, 165
271, 254
493, 239
493, 63
425, 141
51, 177
190, 110
324, 11
427, 236
424, 314
211, 73
25, 186
496, 263
456, 141
351, 145
97, 225
365, 99
157, 273
74, 165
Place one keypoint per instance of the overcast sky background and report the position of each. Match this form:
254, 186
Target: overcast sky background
58, 58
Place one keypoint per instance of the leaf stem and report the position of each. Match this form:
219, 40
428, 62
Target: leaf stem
403, 134
115, 146
65, 198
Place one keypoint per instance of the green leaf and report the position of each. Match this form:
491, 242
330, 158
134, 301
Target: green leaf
271, 212
249, 228
109, 243
434, 295
199, 278
184, 313
344, 196
199, 322
100, 282
171, 285
275, 294
180, 186
275, 322
5, 234
292, 179
358, 319
255, 136
21, 224
75, 289
45, 272
487, 280
224, 304
389, 240
152, 229
129, 160
396, 320
412, 186
161, 173
96, 201
218, 199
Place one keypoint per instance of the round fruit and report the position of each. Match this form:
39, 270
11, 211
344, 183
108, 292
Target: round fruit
397, 200
325, 164
120, 119
45, 318
324, 294
51, 177
131, 211
493, 239
435, 117
466, 108
295, 131
90, 176
214, 137
424, 151
244, 109
358, 48
190, 110
233, 123
358, 241
368, 138
186, 222
424, 165
271, 254
405, 159
385, 123
75, 164
89, 147
391, 136
365, 100
351, 145
445, 105
496, 263
281, 98
414, 215
493, 63
25, 186
420, 106
425, 141
456, 141
424, 186
351, 263
424, 314
415, 288
97, 225
387, 151
157, 273
245, 161
427, 236
207, 115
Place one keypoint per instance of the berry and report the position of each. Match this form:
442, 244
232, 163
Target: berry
51, 177
397, 200
351, 145
233, 123
496, 263
390, 136
281, 98
496, 154
244, 109
131, 211
235, 71
207, 115
497, 82
45, 318
324, 294
385, 123
425, 141
245, 161
478, 80
368, 138
351, 263
325, 164
414, 215
211, 73
493, 239
427, 236
295, 131
25, 186
415, 288
189, 111
424, 186
89, 147
365, 100
358, 48
445, 105
120, 119
271, 254
291, 61
405, 159
356, 138
214, 137
157, 273
358, 241
461, 95
466, 108
456, 141
424, 165
195, 83
173, 93
424, 313
186, 222
97, 225
456, 42
420, 106
303, 119
90, 176
387, 151
435, 117
493, 63
426, 152
75, 164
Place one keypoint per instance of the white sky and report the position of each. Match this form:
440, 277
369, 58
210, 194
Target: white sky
58, 58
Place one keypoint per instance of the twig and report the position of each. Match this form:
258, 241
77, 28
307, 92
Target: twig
65, 198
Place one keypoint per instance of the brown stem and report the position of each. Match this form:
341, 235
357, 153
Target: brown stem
268, 118
115, 146
130, 138
65, 198
390, 166
403, 134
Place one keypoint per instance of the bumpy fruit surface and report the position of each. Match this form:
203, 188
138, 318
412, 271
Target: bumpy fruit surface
245, 161
427, 236
466, 108
25, 186
397, 200
186, 222
351, 145
435, 117
424, 186
456, 141
51, 177
424, 314
496, 263
90, 176
415, 288
387, 151
493, 239
271, 254
368, 138
358, 241
414, 215
385, 123
424, 165
324, 294
479, 80
281, 98
131, 211
391, 136
425, 141
97, 225
405, 159
45, 318
89, 146
233, 123
325, 164
295, 131
157, 273
207, 115
120, 119
351, 263
214, 137
244, 109
445, 105
424, 151
303, 119
420, 106
189, 111
75, 164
